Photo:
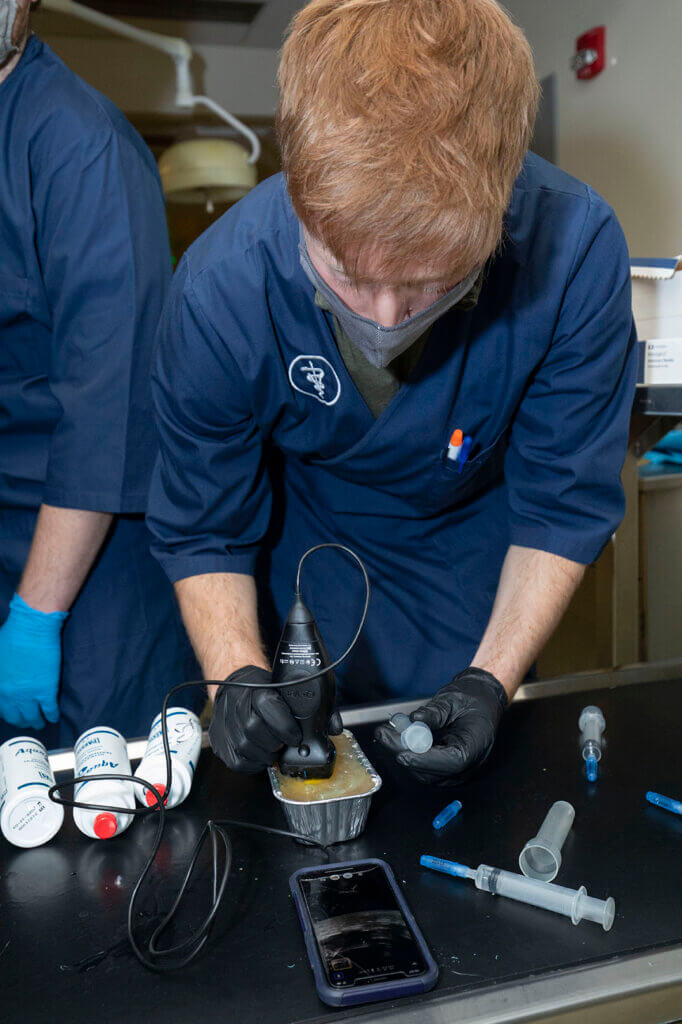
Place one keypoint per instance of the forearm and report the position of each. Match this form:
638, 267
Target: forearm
535, 589
220, 611
65, 544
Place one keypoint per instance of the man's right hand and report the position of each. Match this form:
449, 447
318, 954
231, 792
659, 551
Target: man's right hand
250, 726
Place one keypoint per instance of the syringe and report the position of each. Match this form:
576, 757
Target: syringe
591, 724
414, 736
573, 903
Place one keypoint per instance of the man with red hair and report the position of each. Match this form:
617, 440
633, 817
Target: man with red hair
414, 272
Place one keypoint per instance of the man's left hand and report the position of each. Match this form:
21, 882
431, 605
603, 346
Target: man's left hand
464, 717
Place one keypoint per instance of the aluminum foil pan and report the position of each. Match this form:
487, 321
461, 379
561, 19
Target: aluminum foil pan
336, 819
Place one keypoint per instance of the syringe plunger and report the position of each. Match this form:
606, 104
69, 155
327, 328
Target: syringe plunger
414, 736
573, 903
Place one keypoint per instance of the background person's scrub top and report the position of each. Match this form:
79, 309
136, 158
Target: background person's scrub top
268, 448
84, 268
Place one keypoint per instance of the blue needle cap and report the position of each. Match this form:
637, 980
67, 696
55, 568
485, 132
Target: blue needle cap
447, 814
666, 802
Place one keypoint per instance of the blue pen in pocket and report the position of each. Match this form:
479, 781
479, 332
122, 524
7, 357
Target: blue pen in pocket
463, 453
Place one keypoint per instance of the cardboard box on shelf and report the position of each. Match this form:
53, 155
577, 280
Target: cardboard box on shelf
657, 308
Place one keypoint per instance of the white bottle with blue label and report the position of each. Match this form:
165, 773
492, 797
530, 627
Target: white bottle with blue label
27, 816
103, 751
184, 741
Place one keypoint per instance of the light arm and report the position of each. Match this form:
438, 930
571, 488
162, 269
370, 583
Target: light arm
534, 591
65, 544
220, 613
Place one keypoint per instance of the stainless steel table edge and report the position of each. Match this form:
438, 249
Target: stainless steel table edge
586, 991
62, 760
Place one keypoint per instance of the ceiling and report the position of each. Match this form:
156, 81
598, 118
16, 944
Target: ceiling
234, 25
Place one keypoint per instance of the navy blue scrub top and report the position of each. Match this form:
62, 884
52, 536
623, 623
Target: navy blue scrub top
84, 270
268, 448
84, 264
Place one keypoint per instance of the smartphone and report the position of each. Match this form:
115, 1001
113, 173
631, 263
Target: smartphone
363, 943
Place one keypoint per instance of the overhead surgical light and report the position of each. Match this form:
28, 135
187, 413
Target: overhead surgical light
206, 171
199, 170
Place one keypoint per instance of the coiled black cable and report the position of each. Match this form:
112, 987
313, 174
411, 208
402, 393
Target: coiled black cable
171, 958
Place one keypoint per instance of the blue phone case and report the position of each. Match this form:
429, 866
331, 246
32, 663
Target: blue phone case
367, 993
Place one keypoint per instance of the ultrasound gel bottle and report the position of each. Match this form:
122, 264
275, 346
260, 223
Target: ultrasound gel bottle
184, 741
103, 751
27, 815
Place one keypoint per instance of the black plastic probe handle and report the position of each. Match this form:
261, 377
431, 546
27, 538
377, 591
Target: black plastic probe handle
301, 651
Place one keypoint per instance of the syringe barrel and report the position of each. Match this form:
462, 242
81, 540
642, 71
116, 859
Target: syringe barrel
526, 890
573, 903
591, 724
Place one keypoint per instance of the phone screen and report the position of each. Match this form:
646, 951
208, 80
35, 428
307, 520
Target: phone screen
361, 932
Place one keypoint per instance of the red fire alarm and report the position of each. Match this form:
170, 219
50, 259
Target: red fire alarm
590, 53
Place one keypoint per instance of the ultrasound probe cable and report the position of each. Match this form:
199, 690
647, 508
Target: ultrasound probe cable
173, 957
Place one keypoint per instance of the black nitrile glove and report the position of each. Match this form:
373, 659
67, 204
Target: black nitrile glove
250, 727
464, 717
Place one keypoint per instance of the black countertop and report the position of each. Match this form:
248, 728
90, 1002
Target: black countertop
63, 947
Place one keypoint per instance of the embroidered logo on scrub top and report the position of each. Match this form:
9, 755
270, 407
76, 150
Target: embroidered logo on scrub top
315, 376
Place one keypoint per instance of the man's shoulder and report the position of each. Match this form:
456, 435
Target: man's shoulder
541, 183
259, 228
548, 202
63, 107
540, 175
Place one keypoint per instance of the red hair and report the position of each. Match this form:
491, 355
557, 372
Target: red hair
403, 125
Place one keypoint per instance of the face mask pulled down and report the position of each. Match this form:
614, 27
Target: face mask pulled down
8, 14
381, 345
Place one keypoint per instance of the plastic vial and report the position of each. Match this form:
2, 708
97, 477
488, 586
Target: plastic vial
591, 724
414, 736
541, 856
103, 751
184, 740
27, 816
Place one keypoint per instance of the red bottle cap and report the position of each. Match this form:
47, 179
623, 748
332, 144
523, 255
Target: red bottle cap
149, 796
105, 825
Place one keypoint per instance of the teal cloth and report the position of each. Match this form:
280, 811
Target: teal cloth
668, 449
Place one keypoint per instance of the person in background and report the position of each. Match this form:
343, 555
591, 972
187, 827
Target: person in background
90, 631
414, 278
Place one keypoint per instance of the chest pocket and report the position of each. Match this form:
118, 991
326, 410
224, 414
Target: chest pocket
450, 488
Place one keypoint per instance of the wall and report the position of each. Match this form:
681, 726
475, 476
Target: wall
142, 81
622, 132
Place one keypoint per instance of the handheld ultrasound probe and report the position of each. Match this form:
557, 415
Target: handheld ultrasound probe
301, 654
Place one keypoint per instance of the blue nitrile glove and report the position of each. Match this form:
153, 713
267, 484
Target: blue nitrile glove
30, 664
